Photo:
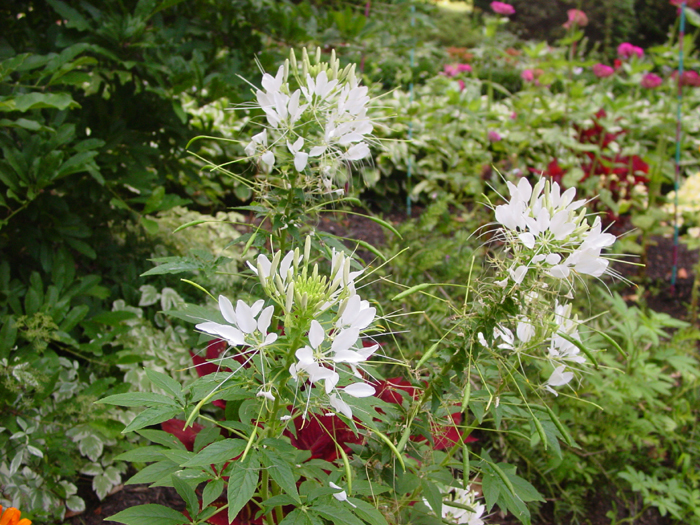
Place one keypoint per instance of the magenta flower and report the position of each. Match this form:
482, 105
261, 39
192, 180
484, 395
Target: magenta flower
502, 8
576, 18
464, 68
493, 136
527, 75
450, 70
627, 50
651, 81
693, 4
462, 85
603, 71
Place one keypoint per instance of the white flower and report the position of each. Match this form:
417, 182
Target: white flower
310, 359
460, 515
340, 496
300, 158
547, 230
340, 405
243, 328
558, 378
266, 394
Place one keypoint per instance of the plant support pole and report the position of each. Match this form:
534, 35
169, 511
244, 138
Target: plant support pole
410, 123
676, 182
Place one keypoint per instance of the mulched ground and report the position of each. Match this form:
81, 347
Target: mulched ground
658, 295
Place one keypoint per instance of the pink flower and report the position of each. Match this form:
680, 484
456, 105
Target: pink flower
462, 85
513, 116
627, 50
602, 71
502, 8
688, 78
450, 70
464, 68
576, 18
527, 75
651, 81
493, 136
693, 4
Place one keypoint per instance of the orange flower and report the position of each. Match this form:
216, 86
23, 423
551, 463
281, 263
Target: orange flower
11, 517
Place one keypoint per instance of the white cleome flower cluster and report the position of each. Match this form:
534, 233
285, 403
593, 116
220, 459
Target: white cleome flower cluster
548, 230
327, 309
323, 119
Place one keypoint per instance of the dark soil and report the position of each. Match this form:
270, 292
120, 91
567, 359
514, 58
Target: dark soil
657, 294
122, 498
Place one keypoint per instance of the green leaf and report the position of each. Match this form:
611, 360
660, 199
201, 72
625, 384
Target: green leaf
692, 17
218, 452
150, 514
142, 454
297, 517
367, 512
162, 438
151, 416
337, 514
281, 472
212, 491
31, 125
433, 496
242, 483
187, 494
138, 399
167, 383
154, 472
113, 318
29, 101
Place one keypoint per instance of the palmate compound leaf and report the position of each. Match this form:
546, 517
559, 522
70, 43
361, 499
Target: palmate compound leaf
150, 514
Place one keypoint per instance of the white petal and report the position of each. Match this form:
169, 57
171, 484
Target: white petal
359, 390
244, 317
268, 158
231, 334
317, 151
348, 356
559, 377
357, 152
340, 405
305, 356
331, 381
316, 334
527, 239
265, 319
345, 339
227, 310
300, 160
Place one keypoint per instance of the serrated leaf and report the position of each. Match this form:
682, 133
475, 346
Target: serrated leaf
138, 399
367, 512
141, 455
281, 472
166, 383
91, 446
297, 517
337, 515
218, 452
150, 514
101, 484
151, 416
154, 472
212, 491
242, 483
187, 494
75, 503
433, 496
162, 438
